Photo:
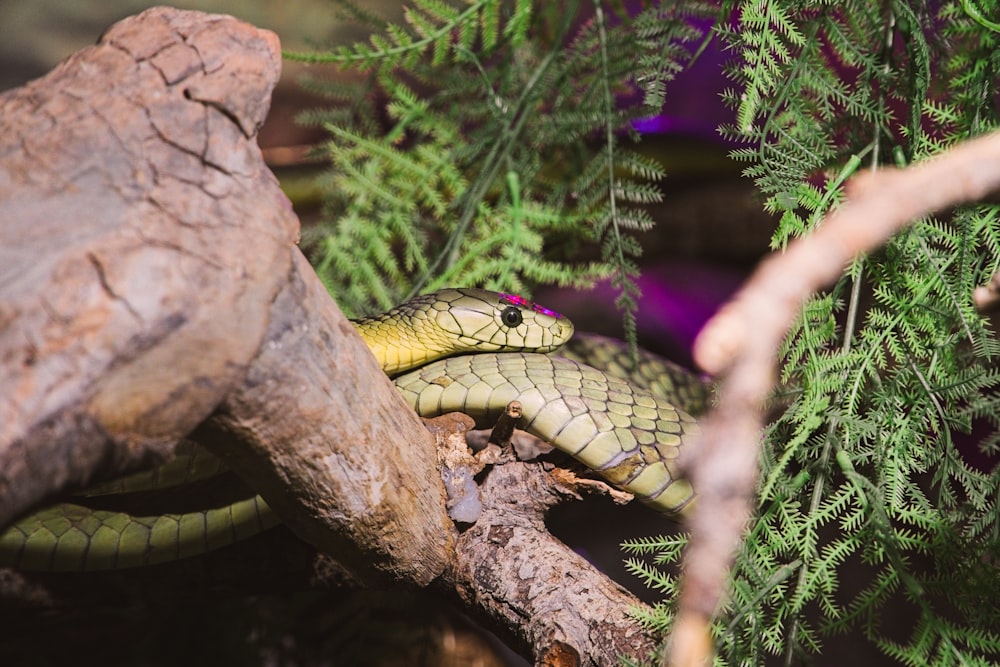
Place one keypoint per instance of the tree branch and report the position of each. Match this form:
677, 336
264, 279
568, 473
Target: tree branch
151, 276
724, 468
150, 284
133, 215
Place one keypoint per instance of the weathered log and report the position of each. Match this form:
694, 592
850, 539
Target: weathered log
150, 283
149, 272
143, 240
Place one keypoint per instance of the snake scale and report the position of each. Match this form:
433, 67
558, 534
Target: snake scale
629, 436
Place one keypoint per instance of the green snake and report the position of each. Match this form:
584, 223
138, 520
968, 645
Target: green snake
460, 342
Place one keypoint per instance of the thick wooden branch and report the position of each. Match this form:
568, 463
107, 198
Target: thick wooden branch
150, 283
150, 272
740, 345
555, 604
325, 437
143, 241
525, 584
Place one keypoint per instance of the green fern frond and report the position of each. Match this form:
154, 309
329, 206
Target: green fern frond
430, 28
443, 167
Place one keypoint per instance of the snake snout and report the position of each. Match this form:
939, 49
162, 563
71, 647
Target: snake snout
565, 330
544, 333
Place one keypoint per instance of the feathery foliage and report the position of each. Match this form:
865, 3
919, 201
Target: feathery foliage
488, 143
875, 498
498, 157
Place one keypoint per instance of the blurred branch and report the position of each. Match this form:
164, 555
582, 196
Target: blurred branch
724, 472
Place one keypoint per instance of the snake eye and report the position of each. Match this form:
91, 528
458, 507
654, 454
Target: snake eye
511, 316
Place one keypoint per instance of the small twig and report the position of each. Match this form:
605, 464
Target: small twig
725, 467
987, 297
504, 428
574, 482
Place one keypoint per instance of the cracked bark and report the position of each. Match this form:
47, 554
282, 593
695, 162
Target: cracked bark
151, 288
149, 270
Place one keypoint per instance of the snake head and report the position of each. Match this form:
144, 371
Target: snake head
459, 321
481, 320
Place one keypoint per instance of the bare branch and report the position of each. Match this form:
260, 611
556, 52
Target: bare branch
740, 343
150, 276
534, 588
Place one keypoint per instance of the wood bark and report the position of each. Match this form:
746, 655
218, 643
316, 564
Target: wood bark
509, 549
151, 288
134, 258
151, 274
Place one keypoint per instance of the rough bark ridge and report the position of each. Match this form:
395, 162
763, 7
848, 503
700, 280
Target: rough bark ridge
147, 258
120, 191
509, 549
150, 283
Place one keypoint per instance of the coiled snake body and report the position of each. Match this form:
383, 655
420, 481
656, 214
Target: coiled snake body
629, 436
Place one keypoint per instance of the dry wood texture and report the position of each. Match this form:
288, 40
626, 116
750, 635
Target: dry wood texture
150, 283
150, 271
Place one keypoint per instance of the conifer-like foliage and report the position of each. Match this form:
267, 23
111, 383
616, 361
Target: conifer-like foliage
876, 501
483, 145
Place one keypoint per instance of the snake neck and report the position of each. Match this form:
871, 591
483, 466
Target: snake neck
403, 339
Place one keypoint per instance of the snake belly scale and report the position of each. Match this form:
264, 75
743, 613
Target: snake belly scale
630, 437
